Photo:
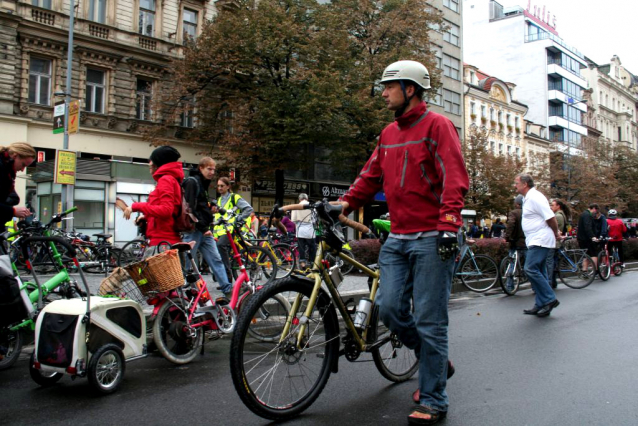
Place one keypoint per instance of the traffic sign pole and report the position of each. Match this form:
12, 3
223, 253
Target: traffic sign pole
67, 190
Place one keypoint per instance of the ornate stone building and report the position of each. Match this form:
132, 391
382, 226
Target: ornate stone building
614, 96
491, 104
121, 50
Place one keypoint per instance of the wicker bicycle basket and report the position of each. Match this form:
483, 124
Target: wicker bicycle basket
162, 272
120, 284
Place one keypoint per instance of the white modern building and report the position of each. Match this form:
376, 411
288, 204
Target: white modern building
522, 45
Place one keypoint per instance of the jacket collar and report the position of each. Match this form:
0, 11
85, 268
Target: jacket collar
410, 117
174, 168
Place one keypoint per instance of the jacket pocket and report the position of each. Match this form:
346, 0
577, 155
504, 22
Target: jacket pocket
405, 166
425, 176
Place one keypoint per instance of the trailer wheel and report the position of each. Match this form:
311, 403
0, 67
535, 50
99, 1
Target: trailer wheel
106, 369
40, 377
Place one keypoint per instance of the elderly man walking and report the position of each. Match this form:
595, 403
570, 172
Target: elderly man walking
541, 232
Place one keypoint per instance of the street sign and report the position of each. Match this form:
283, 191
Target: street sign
65, 162
74, 117
231, 174
41, 156
58, 118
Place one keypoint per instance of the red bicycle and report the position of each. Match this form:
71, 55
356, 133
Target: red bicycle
608, 263
182, 316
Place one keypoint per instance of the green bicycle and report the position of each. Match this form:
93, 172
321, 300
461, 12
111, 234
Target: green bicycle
34, 294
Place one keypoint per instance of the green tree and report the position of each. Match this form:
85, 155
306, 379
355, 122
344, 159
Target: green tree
268, 79
491, 177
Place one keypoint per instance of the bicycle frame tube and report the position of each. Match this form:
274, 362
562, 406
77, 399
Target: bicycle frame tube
321, 273
50, 285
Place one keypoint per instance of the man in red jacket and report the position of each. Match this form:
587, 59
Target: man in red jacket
616, 228
418, 164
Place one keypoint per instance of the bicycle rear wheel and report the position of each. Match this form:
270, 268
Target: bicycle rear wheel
478, 273
510, 275
286, 261
174, 339
132, 252
604, 265
395, 361
260, 265
576, 269
280, 379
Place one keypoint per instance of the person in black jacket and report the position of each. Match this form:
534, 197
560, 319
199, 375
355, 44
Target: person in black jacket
13, 158
195, 189
586, 236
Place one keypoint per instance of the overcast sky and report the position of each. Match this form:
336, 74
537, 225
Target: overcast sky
598, 29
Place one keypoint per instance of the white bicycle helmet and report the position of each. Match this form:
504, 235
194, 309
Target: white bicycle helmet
407, 70
613, 213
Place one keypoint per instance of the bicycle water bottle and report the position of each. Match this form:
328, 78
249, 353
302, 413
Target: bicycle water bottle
363, 310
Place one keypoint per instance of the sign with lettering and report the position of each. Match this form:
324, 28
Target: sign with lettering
327, 190
541, 16
291, 188
58, 118
74, 117
65, 162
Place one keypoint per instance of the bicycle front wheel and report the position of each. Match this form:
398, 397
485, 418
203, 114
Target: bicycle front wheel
478, 273
604, 265
175, 340
278, 380
576, 269
510, 275
395, 361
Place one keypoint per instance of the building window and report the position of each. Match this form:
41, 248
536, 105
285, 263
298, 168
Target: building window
492, 114
452, 34
147, 17
452, 102
97, 11
483, 111
518, 152
143, 103
517, 123
40, 81
46, 4
95, 91
190, 24
472, 108
509, 149
451, 67
500, 149
509, 119
186, 117
493, 147
452, 4
439, 56
500, 117
472, 77
435, 98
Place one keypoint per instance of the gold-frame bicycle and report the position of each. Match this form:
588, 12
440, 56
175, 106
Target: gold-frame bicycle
279, 380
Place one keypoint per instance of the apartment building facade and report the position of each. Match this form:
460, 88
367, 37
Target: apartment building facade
448, 48
614, 95
121, 51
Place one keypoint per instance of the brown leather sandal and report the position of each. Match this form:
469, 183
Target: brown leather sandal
435, 416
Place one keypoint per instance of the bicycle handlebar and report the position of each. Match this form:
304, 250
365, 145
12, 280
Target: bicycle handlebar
57, 240
333, 206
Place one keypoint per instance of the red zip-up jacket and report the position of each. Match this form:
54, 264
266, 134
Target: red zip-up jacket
163, 204
615, 229
419, 165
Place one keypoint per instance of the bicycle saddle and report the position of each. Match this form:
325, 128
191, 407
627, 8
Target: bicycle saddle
105, 236
182, 247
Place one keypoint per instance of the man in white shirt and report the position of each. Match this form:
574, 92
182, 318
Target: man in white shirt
305, 233
541, 231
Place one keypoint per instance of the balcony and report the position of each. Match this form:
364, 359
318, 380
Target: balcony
549, 36
99, 31
560, 121
556, 70
563, 97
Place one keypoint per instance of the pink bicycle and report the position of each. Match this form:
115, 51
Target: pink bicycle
183, 316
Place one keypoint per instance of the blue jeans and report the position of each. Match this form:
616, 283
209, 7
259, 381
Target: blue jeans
536, 270
208, 247
412, 270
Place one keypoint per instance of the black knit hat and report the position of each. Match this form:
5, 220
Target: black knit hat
163, 155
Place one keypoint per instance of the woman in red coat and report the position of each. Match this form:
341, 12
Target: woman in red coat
166, 199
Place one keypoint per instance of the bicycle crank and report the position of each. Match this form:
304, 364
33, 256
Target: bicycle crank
225, 318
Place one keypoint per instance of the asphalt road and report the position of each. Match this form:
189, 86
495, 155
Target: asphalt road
576, 367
